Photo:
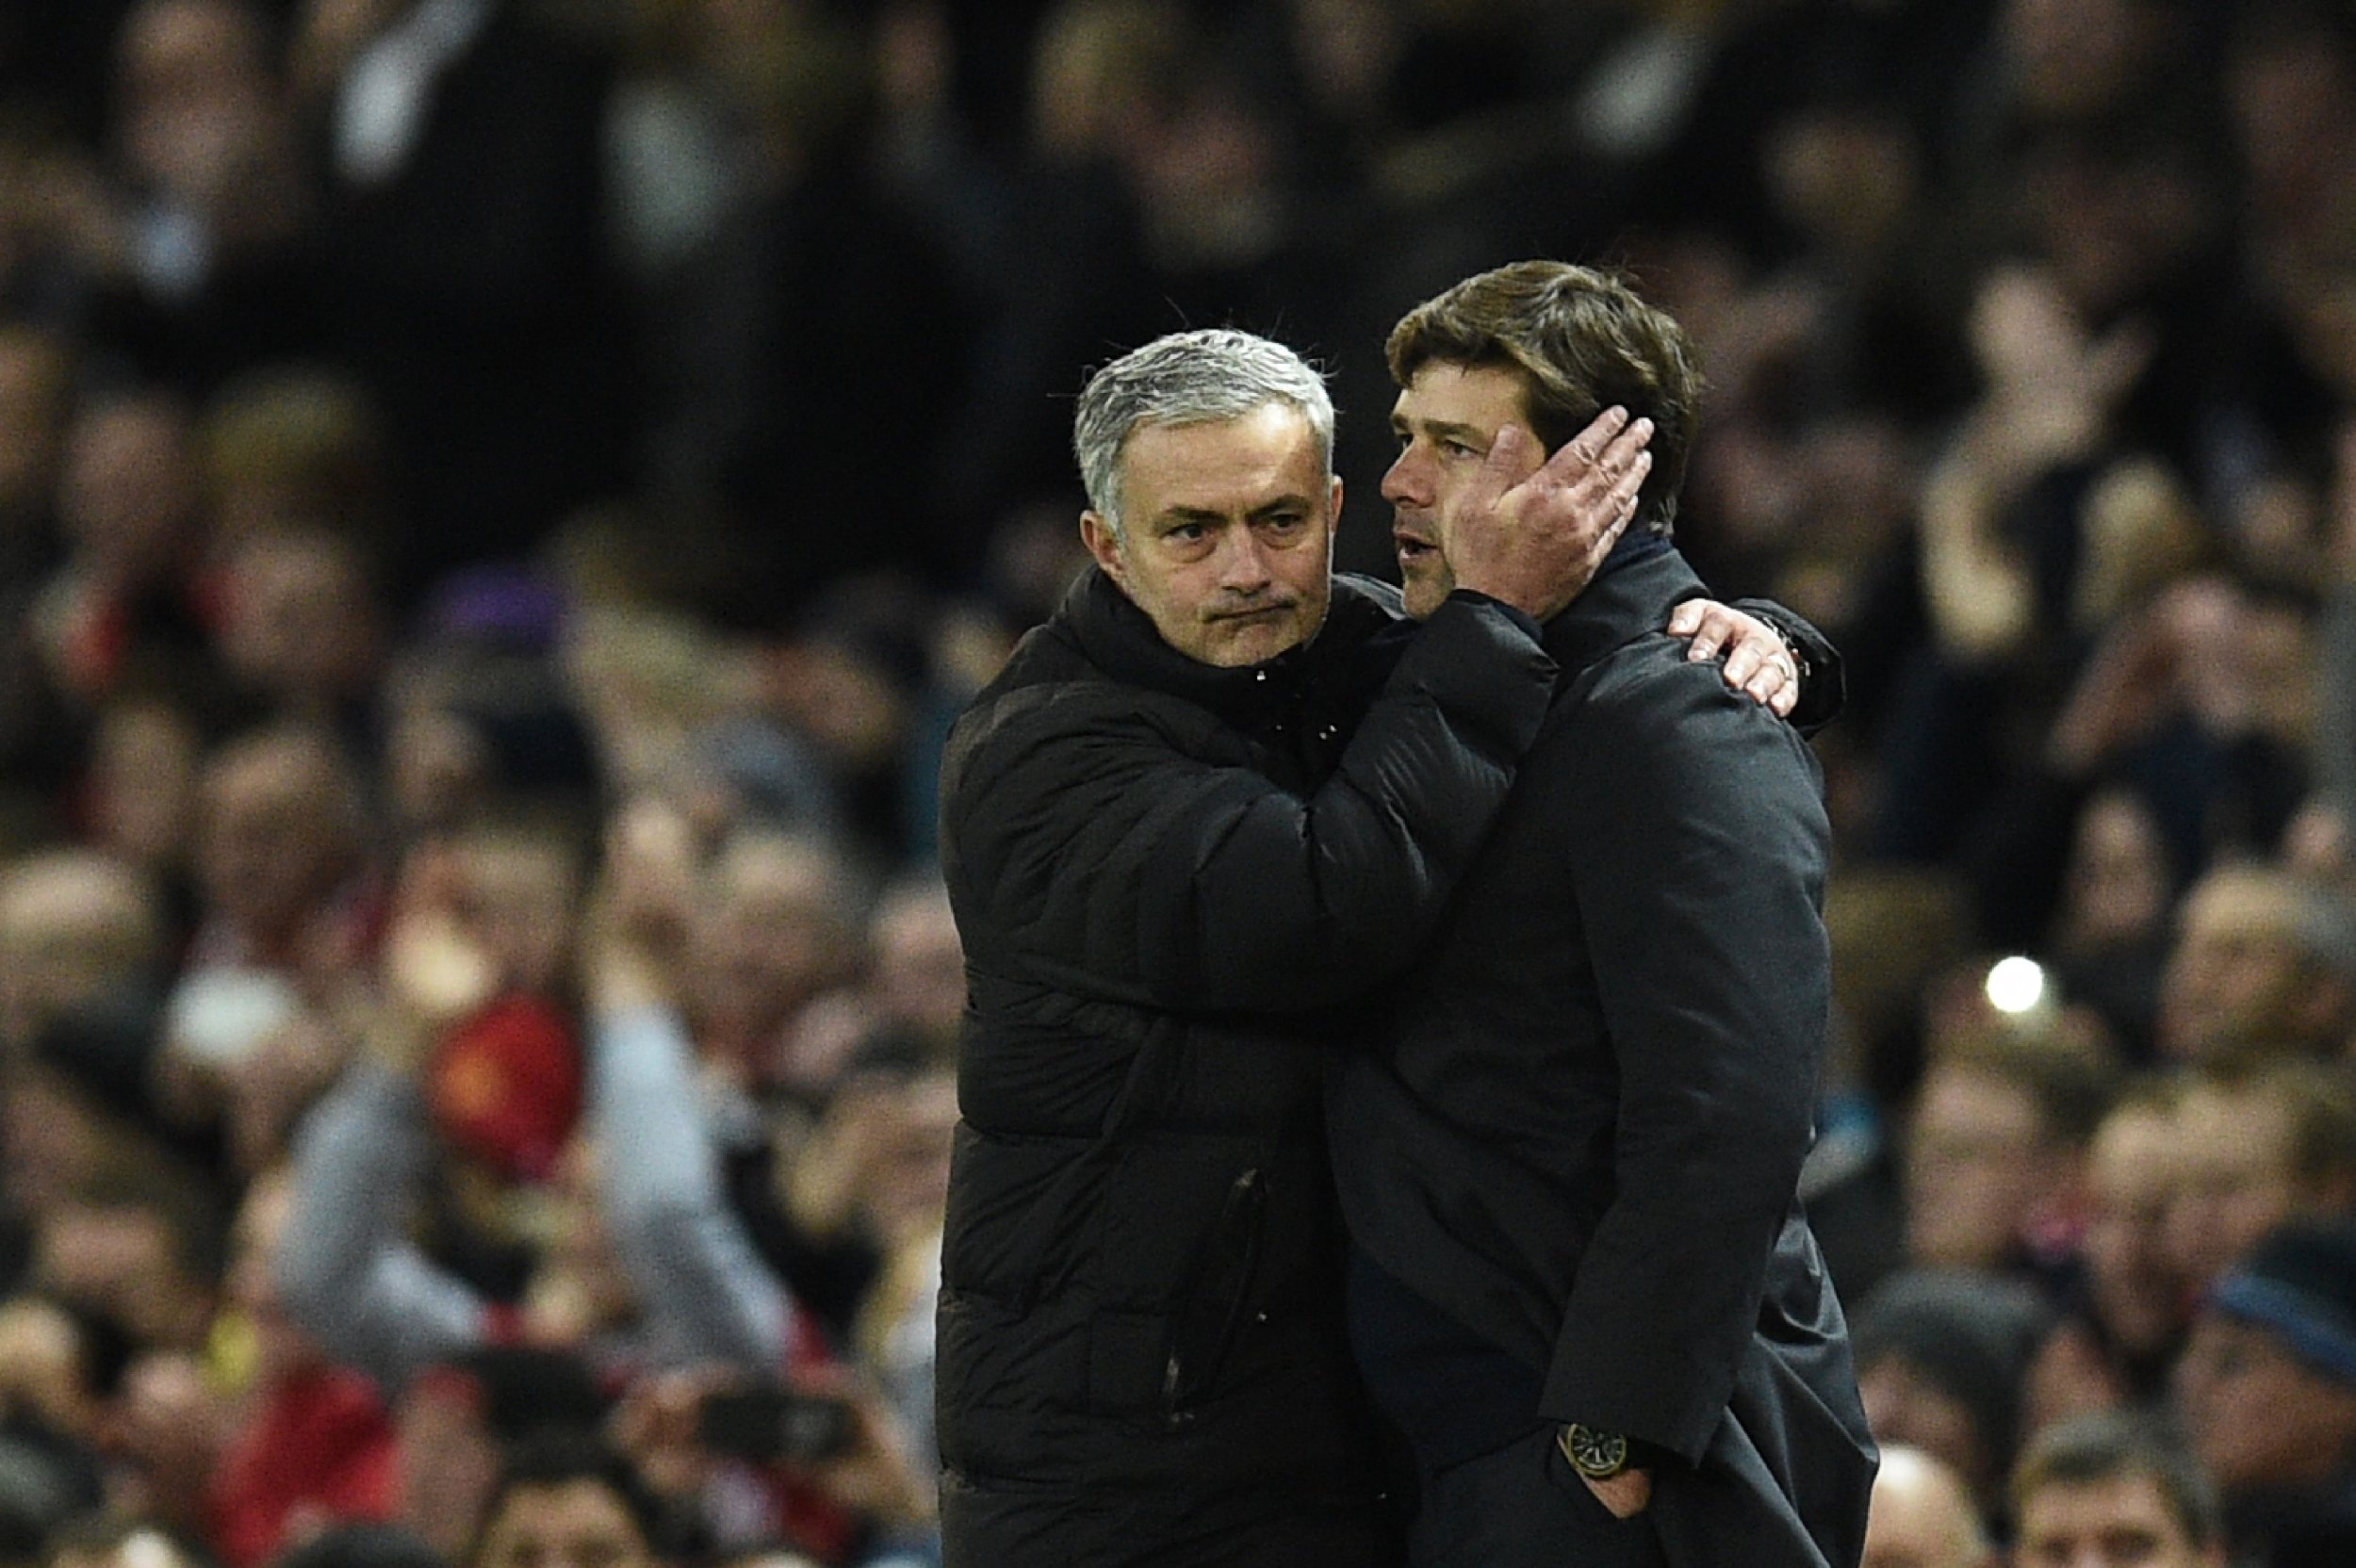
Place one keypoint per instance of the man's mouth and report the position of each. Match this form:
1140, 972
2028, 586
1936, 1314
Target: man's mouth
1253, 612
1413, 547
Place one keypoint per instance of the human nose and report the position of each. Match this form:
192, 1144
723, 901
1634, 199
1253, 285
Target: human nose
1243, 561
1406, 482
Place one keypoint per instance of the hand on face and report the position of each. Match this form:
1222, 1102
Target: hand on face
1478, 506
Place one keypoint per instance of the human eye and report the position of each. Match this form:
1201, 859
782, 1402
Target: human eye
1457, 447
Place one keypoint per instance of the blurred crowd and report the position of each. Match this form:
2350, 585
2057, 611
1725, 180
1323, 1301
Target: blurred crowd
501, 498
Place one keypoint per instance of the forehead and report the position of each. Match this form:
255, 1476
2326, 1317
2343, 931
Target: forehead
1223, 466
2133, 1146
2130, 1504
536, 1510
1484, 397
2242, 907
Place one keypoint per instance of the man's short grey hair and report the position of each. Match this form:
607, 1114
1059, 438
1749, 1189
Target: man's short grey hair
1189, 378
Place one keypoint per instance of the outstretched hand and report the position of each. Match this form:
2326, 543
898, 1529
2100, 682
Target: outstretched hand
1532, 530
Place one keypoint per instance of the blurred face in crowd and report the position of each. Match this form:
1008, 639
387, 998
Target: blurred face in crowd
1921, 1516
42, 1363
2118, 888
2118, 1522
1226, 534
275, 835
196, 95
1445, 423
2235, 1178
129, 487
2258, 1417
125, 1259
1905, 1405
2076, 56
920, 964
33, 380
72, 924
906, 1190
2237, 976
515, 896
2139, 1292
301, 624
771, 931
574, 1523
143, 783
1977, 1162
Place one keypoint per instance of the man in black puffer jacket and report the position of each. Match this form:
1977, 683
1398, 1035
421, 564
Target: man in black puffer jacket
1217, 793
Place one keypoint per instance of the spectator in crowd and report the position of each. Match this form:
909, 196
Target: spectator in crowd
1995, 1151
2261, 963
2267, 1386
1923, 1516
2125, 1315
2114, 1488
1942, 1363
2257, 1145
566, 1502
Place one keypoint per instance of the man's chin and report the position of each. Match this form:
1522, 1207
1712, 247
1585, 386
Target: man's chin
1426, 587
1236, 642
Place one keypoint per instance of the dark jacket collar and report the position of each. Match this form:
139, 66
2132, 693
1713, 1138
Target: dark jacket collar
1117, 638
1631, 596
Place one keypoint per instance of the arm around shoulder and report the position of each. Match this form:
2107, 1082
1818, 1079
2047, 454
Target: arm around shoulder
1132, 852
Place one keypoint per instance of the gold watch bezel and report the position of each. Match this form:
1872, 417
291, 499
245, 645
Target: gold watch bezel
1598, 1456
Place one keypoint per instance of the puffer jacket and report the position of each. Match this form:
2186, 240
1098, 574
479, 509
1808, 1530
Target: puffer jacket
1163, 872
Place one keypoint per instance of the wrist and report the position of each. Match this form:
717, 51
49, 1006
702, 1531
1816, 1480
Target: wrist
1597, 1454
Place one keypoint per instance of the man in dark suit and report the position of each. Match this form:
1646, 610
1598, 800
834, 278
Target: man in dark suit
1581, 1283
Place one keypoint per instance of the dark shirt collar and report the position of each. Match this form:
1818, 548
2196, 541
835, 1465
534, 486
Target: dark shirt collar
1641, 581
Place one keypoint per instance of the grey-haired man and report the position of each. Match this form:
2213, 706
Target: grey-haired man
1218, 793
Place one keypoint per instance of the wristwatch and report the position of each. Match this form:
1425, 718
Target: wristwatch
1801, 668
1598, 1456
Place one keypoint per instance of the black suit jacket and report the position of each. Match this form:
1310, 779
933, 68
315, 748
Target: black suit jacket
1582, 1139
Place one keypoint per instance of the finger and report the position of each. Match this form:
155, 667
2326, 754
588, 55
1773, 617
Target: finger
1785, 700
1761, 688
1611, 534
1513, 456
1588, 447
1742, 665
1592, 453
1629, 484
1686, 618
1712, 635
1509, 461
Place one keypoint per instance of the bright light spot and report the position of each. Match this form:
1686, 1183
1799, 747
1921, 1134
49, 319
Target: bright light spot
2016, 985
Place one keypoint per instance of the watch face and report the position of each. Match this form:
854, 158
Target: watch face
1592, 1453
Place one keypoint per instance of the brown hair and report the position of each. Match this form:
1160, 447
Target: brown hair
1582, 341
2318, 1104
2088, 1451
